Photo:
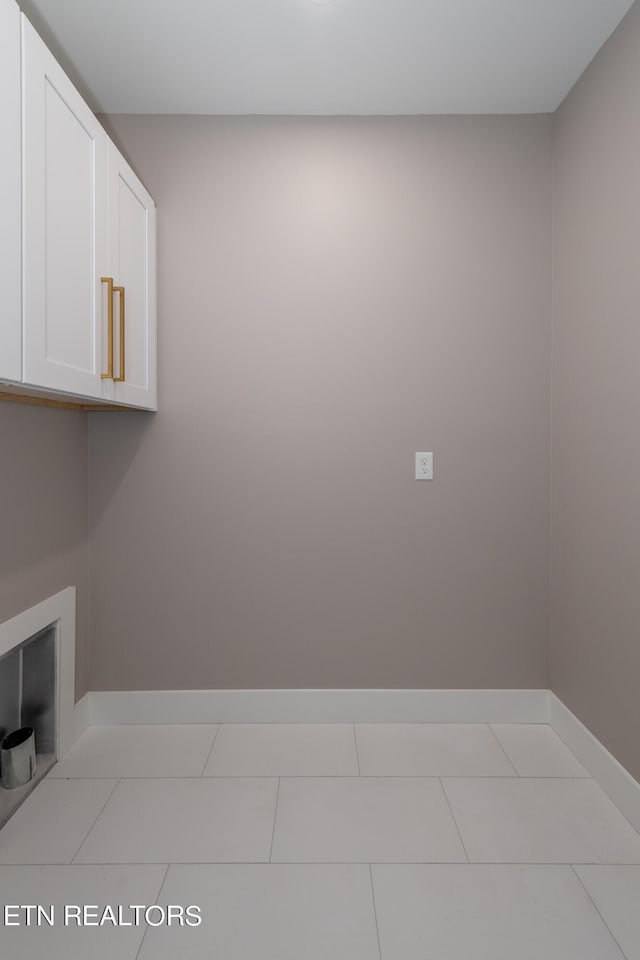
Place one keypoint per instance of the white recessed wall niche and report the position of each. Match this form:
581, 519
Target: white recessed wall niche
37, 654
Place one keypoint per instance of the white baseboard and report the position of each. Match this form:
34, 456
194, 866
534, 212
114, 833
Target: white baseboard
81, 716
367, 706
319, 706
616, 782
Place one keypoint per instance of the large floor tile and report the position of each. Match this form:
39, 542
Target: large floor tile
283, 749
184, 821
361, 820
536, 750
616, 893
430, 750
471, 912
270, 912
139, 751
73, 885
540, 821
52, 823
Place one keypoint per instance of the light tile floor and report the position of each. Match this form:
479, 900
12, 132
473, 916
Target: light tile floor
310, 841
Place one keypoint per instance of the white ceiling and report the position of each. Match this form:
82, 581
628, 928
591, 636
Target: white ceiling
338, 57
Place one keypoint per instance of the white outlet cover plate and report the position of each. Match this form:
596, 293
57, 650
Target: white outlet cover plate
424, 466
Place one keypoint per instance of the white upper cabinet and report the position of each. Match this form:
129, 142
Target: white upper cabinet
77, 240
10, 187
132, 265
64, 228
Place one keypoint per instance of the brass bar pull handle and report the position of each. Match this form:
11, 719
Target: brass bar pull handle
109, 374
120, 291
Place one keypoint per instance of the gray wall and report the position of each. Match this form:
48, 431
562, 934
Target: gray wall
596, 398
335, 294
43, 529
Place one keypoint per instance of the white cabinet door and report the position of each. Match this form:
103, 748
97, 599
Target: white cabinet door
132, 264
64, 229
10, 179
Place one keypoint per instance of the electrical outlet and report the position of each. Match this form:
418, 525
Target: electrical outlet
424, 466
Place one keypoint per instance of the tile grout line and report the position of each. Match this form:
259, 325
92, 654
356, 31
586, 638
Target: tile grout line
95, 820
355, 741
375, 911
339, 722
275, 814
597, 909
554, 864
570, 749
446, 797
497, 740
323, 863
146, 929
335, 776
215, 737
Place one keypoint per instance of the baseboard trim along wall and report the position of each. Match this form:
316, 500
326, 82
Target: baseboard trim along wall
81, 716
319, 706
616, 782
367, 706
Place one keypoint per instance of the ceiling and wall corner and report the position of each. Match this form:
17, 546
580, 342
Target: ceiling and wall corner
348, 57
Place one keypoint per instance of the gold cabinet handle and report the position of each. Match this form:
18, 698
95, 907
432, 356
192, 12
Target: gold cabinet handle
109, 282
120, 291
